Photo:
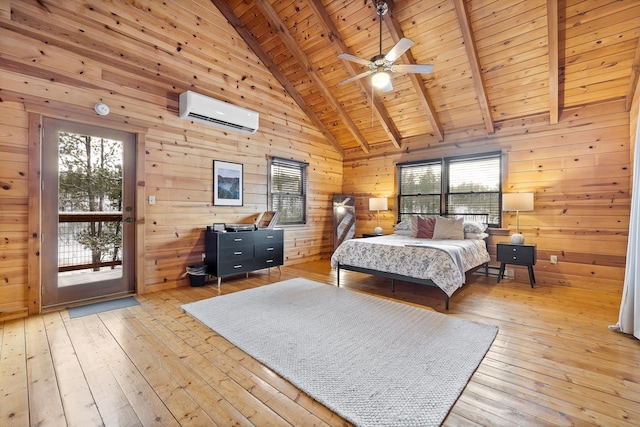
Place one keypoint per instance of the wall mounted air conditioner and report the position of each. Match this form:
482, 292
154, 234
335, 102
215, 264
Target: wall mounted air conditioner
203, 109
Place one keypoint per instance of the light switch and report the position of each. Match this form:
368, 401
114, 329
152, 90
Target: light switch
152, 200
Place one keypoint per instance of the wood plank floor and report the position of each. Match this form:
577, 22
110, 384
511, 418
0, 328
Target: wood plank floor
554, 362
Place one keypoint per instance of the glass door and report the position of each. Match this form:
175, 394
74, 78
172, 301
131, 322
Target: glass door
88, 186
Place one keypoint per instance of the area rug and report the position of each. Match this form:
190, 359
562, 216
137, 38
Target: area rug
99, 307
373, 361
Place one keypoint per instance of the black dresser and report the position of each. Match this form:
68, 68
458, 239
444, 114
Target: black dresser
239, 252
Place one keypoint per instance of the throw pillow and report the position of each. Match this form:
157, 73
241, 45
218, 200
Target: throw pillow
448, 228
426, 227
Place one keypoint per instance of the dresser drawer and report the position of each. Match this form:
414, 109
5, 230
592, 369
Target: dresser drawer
235, 252
516, 254
227, 268
230, 240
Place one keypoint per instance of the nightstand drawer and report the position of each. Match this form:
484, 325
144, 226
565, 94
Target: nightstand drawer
516, 254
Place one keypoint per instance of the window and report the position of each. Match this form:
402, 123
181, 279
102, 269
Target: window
466, 185
288, 190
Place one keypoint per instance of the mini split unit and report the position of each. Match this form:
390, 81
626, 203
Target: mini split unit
203, 109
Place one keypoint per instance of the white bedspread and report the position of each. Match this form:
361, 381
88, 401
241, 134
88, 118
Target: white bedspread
413, 257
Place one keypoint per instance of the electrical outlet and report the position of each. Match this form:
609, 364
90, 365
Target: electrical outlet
152, 200
203, 256
554, 259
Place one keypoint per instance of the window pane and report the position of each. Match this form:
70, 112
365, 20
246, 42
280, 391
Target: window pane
474, 175
421, 179
480, 203
288, 190
427, 205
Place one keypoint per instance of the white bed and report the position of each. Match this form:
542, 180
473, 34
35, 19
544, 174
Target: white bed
440, 263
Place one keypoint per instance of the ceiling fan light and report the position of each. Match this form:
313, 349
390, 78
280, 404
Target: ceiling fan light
380, 79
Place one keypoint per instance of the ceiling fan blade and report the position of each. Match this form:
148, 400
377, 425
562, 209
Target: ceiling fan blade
352, 58
412, 68
401, 47
356, 77
388, 87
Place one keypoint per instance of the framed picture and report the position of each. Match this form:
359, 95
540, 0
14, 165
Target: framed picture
267, 219
227, 183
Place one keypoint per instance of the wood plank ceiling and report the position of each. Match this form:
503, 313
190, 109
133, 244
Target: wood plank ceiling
493, 60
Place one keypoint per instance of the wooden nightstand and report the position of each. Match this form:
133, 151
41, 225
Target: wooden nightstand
508, 253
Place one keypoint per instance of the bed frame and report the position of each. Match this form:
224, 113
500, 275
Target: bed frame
394, 277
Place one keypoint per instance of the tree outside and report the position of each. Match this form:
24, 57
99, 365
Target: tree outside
90, 181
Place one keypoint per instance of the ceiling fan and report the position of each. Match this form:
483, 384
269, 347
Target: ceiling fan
381, 65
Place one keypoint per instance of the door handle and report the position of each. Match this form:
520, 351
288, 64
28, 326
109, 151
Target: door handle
129, 219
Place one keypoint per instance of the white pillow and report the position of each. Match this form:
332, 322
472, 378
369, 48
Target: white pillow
403, 225
475, 236
474, 227
448, 228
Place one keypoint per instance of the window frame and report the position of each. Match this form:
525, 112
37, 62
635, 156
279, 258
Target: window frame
444, 191
293, 164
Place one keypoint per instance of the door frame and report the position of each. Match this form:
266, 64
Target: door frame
34, 270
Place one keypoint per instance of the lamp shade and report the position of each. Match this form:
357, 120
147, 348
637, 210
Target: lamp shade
378, 204
517, 202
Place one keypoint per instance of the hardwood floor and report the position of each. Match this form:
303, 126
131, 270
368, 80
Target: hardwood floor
554, 362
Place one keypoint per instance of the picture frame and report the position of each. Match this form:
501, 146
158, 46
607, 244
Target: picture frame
227, 183
267, 219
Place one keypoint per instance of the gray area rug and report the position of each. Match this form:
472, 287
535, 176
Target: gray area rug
373, 361
99, 307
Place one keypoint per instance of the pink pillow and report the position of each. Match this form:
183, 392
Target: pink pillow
426, 227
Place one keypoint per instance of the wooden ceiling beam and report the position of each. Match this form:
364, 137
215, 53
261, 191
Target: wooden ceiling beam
552, 26
474, 63
277, 73
418, 84
276, 23
334, 35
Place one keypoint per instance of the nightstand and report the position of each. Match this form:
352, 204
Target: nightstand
508, 253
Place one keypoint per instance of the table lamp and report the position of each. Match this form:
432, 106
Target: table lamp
378, 204
517, 202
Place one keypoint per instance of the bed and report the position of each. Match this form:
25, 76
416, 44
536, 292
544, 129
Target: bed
443, 263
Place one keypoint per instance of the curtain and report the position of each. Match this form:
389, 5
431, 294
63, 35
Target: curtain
629, 320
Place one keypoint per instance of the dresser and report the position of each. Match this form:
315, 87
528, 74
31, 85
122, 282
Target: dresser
508, 253
239, 252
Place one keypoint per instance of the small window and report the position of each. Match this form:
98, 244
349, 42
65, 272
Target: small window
288, 190
469, 186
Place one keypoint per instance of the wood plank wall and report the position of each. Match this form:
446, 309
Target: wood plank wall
578, 169
59, 59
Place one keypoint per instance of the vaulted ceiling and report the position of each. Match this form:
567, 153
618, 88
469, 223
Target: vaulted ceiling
493, 60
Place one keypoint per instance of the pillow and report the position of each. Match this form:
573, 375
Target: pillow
475, 236
403, 232
474, 227
448, 228
403, 225
425, 227
410, 225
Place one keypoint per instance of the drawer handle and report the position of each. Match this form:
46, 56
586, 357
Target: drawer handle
237, 239
515, 257
237, 266
269, 249
269, 237
269, 261
515, 250
237, 253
